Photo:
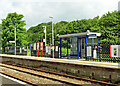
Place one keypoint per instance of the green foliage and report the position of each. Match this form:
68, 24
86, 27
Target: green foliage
108, 25
0, 36
12, 21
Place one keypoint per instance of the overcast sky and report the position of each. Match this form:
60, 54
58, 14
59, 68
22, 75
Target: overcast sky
38, 11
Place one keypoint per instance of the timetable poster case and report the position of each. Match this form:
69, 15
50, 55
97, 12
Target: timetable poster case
89, 51
38, 45
34, 46
42, 46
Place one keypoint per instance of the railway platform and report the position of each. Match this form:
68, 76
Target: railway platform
89, 69
70, 61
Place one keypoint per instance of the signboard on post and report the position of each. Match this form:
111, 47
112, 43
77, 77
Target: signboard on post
12, 41
56, 49
41, 46
38, 46
20, 50
49, 50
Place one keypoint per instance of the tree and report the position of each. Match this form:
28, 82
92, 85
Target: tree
109, 28
0, 38
108, 25
12, 21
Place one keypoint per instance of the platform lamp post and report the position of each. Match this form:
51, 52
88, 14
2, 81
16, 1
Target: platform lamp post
52, 35
14, 41
45, 34
45, 38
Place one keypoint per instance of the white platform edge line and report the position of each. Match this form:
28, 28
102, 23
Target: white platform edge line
23, 83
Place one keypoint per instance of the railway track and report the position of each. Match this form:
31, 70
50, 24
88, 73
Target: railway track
64, 81
17, 67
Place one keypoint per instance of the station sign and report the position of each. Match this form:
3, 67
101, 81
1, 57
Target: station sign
12, 41
92, 36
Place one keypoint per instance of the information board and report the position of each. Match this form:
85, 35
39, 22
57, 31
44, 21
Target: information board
20, 50
56, 49
89, 51
47, 49
114, 50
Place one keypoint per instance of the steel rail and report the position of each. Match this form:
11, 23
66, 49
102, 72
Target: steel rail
26, 81
65, 75
63, 81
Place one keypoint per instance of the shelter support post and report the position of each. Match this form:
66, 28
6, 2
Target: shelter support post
60, 48
77, 48
67, 47
86, 46
31, 49
97, 40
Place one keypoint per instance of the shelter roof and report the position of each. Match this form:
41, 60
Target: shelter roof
80, 34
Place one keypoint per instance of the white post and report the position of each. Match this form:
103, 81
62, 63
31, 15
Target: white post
52, 36
52, 33
15, 40
45, 34
45, 37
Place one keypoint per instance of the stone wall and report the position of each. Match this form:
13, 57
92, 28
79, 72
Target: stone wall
86, 71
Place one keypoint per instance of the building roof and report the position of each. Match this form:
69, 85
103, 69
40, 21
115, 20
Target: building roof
80, 34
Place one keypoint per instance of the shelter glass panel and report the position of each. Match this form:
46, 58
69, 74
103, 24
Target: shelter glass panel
92, 41
73, 46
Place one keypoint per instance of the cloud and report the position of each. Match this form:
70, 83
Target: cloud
38, 11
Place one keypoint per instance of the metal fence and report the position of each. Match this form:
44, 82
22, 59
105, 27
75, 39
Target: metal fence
46, 52
19, 50
104, 54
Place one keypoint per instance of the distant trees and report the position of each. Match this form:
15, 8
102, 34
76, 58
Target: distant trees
108, 25
0, 36
12, 21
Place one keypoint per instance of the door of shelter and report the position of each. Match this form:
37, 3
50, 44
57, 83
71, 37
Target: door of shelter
82, 47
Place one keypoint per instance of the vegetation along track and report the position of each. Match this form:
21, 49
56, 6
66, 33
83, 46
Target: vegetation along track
47, 74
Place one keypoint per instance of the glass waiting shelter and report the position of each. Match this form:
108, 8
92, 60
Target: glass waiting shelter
80, 45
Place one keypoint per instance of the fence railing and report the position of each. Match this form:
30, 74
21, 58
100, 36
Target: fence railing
104, 54
19, 50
